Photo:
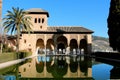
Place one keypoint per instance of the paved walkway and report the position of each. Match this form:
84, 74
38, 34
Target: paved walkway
10, 63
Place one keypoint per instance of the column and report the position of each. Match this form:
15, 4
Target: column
45, 69
45, 42
89, 72
79, 72
78, 41
68, 71
89, 43
68, 47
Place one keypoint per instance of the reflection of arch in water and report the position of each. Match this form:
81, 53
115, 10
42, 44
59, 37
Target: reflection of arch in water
60, 69
40, 61
49, 66
40, 67
84, 65
73, 65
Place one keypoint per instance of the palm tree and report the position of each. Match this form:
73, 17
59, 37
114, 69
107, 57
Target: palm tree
16, 21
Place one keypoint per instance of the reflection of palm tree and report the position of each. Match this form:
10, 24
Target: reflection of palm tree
59, 72
15, 22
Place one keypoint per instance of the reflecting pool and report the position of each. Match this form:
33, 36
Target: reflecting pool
57, 67
62, 67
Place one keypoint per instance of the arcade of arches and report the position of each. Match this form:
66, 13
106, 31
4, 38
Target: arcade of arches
67, 42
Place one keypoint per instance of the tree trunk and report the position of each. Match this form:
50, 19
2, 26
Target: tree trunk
17, 41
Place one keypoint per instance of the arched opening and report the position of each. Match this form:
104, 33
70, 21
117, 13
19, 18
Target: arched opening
35, 20
73, 44
61, 44
39, 20
83, 46
62, 39
50, 44
40, 44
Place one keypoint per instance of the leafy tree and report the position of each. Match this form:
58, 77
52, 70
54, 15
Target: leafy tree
16, 21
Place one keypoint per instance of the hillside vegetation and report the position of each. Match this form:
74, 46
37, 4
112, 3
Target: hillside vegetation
100, 44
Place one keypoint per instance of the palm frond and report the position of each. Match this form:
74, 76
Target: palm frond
16, 21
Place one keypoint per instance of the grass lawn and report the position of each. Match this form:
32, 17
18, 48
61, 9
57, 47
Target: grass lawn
4, 57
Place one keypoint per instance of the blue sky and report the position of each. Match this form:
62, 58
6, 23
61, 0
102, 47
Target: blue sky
91, 14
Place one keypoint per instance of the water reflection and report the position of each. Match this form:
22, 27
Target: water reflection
60, 67
115, 70
115, 73
57, 67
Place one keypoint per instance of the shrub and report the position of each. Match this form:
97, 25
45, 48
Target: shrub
23, 54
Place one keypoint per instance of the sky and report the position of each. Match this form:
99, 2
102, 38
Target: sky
91, 14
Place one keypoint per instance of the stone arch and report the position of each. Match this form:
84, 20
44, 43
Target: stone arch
73, 44
61, 42
61, 46
40, 44
50, 44
83, 46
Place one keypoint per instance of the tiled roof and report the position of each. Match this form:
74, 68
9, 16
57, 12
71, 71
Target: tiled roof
38, 11
63, 30
68, 29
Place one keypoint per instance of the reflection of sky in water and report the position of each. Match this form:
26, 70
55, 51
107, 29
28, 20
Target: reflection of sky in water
43, 58
9, 77
101, 71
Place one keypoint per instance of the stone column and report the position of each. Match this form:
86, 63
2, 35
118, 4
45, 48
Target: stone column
89, 72
45, 69
68, 71
45, 42
79, 72
78, 41
68, 47
55, 43
89, 43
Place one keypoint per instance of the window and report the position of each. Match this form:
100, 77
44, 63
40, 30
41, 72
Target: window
24, 40
35, 20
24, 70
39, 20
42, 20
29, 44
41, 27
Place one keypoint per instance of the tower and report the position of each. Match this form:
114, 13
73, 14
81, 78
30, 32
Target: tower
38, 19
